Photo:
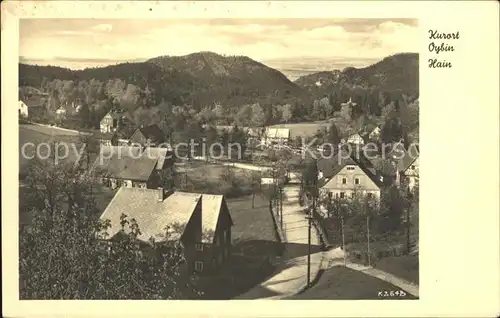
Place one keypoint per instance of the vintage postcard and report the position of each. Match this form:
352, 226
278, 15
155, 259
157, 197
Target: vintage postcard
237, 151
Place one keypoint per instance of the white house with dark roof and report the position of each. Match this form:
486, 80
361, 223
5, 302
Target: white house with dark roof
22, 109
357, 139
375, 133
408, 167
126, 166
347, 175
200, 222
275, 135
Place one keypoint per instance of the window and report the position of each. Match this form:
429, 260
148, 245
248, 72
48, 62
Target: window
369, 195
198, 266
344, 180
350, 168
356, 181
342, 194
198, 247
412, 167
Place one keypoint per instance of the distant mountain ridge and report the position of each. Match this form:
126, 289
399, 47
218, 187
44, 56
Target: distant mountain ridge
399, 72
198, 79
204, 79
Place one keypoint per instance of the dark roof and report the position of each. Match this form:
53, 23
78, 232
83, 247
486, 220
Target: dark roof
330, 166
162, 155
409, 157
153, 132
125, 163
369, 173
153, 216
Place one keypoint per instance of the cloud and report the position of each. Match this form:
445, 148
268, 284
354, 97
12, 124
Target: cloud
260, 39
104, 27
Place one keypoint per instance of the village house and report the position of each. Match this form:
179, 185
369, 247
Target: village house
114, 119
22, 109
349, 179
357, 139
349, 103
348, 107
408, 168
32, 106
272, 136
347, 173
200, 222
126, 167
134, 167
61, 112
150, 136
375, 133
112, 139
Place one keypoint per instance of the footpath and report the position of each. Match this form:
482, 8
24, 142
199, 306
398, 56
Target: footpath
290, 276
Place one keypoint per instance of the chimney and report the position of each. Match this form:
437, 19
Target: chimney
160, 194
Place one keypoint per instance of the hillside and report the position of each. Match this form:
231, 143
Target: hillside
399, 72
198, 79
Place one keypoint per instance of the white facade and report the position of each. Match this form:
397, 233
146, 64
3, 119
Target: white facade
275, 135
375, 134
23, 109
356, 139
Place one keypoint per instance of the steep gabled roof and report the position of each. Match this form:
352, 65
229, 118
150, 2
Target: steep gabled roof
331, 167
211, 207
162, 155
409, 157
151, 215
153, 132
154, 216
125, 163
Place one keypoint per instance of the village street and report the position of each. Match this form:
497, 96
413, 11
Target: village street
290, 276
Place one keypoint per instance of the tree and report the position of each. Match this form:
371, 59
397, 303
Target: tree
255, 177
327, 109
391, 131
244, 115
238, 137
258, 118
286, 112
318, 112
219, 111
206, 116
62, 254
388, 110
391, 210
332, 135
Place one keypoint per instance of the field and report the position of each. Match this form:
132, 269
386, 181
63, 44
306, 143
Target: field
199, 176
254, 244
346, 284
38, 135
253, 232
406, 267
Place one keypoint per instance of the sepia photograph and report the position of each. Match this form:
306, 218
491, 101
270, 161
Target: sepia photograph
219, 159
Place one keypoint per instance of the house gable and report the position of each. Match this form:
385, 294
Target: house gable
137, 137
345, 179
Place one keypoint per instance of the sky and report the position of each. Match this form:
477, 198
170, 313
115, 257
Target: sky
79, 43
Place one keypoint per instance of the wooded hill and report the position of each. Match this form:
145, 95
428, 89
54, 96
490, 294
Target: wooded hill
399, 72
224, 88
198, 79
